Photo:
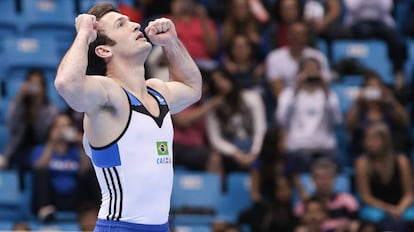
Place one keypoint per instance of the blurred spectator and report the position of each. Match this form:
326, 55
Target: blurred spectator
191, 149
220, 226
240, 20
309, 112
282, 63
195, 29
324, 17
57, 168
237, 126
384, 181
21, 226
342, 207
372, 19
368, 227
241, 63
30, 114
314, 216
376, 103
275, 214
287, 13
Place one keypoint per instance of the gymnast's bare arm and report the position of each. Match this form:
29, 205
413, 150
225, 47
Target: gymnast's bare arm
185, 87
82, 93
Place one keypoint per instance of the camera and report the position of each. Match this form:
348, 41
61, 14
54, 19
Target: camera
371, 93
69, 134
313, 80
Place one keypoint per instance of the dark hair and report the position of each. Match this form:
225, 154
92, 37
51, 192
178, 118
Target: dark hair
233, 100
371, 75
233, 104
269, 151
96, 64
270, 156
314, 199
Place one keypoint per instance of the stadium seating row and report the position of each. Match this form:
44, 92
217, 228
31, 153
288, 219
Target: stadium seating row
197, 197
39, 15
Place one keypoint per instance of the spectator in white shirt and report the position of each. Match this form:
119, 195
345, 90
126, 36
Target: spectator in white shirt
309, 113
282, 63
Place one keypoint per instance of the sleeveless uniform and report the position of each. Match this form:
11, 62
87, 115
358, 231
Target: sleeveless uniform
135, 171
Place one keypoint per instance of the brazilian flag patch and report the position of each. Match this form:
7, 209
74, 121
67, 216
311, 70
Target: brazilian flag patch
162, 148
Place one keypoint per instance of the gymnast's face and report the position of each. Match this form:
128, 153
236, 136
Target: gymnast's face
130, 41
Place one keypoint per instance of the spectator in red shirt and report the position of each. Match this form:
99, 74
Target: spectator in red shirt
195, 29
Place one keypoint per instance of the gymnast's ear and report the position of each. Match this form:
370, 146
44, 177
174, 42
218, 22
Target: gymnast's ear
103, 51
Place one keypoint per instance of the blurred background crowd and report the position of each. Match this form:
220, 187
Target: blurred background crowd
305, 123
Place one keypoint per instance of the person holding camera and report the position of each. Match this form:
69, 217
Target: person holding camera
57, 165
29, 115
309, 112
376, 103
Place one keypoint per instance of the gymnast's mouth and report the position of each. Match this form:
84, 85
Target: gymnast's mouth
139, 36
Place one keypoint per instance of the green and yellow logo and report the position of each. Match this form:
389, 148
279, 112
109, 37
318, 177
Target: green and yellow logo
162, 148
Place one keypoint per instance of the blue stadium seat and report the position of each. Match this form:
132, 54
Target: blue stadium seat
371, 53
352, 80
56, 226
10, 196
12, 87
86, 4
4, 137
237, 197
25, 52
409, 66
343, 141
402, 10
6, 225
44, 15
347, 94
322, 46
9, 19
66, 216
195, 190
192, 228
342, 183
4, 105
